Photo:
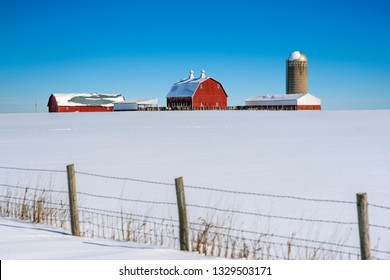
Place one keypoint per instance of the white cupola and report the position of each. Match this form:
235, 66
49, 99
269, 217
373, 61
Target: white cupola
202, 74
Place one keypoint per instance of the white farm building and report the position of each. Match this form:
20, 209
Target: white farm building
298, 101
134, 105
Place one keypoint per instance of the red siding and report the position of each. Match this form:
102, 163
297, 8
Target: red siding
52, 104
309, 107
210, 94
66, 109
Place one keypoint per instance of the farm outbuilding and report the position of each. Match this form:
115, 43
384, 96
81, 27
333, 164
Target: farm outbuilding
83, 102
197, 93
298, 101
134, 105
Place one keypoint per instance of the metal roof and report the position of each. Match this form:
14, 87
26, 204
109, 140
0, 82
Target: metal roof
87, 99
185, 88
283, 99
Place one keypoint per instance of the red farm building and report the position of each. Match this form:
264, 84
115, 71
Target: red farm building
83, 102
197, 94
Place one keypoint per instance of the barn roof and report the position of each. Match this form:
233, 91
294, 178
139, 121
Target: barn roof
187, 87
87, 99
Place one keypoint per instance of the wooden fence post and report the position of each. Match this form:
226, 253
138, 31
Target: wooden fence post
181, 204
74, 212
364, 234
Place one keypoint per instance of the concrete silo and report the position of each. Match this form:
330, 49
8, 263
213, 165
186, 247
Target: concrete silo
296, 73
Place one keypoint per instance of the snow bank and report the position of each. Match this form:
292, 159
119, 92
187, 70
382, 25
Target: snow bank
28, 241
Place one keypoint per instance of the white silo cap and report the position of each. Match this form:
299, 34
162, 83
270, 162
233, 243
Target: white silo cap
295, 55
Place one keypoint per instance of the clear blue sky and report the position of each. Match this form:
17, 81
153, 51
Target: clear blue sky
140, 48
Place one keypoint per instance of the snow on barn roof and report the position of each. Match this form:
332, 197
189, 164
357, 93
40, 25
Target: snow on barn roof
187, 87
87, 99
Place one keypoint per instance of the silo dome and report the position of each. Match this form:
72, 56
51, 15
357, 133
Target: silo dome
297, 55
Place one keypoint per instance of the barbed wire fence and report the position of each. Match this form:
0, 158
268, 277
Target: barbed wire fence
216, 236
33, 204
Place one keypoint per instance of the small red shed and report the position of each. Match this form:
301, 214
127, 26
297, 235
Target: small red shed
82, 102
197, 93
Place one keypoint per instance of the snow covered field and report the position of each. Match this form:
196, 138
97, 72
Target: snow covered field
324, 155
25, 240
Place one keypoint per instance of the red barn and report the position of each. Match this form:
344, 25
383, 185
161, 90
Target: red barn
83, 102
197, 93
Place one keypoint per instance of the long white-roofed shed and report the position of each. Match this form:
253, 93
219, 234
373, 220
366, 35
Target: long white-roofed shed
298, 101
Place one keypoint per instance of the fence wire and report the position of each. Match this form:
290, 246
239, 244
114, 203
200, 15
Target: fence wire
287, 244
33, 169
124, 179
268, 195
194, 187
120, 214
378, 206
270, 216
33, 189
127, 199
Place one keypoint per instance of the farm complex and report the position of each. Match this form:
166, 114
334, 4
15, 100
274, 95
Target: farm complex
199, 93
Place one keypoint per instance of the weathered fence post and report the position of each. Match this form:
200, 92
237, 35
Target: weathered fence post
181, 204
39, 211
74, 212
362, 207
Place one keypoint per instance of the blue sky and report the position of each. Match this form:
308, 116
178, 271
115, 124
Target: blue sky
140, 48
